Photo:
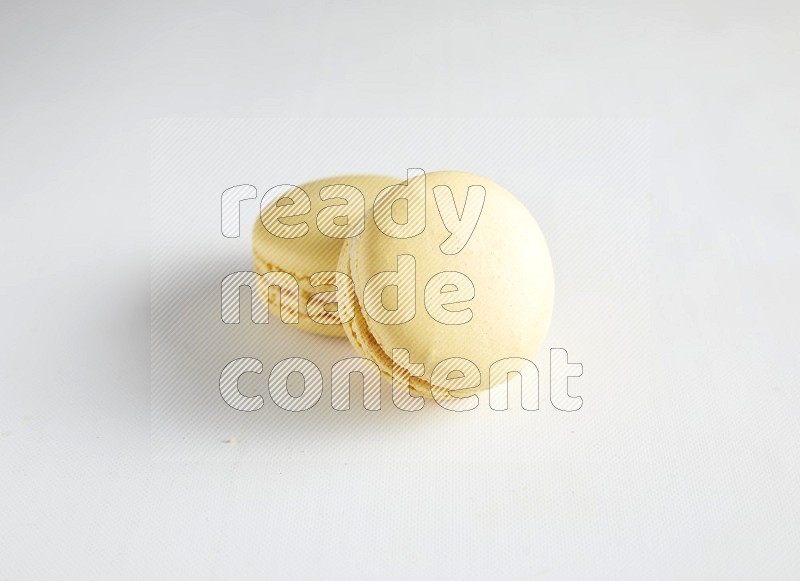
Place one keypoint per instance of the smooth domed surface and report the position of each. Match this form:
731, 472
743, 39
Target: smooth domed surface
507, 260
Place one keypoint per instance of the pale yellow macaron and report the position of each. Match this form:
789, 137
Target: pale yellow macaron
481, 296
314, 251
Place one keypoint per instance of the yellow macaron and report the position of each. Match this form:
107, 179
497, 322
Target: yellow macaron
314, 251
480, 297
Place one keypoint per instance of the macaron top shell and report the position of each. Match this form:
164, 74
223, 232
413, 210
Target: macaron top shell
506, 259
314, 251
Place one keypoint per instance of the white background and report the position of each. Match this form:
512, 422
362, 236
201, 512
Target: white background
694, 478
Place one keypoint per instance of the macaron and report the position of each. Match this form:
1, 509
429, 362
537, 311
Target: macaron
499, 280
312, 252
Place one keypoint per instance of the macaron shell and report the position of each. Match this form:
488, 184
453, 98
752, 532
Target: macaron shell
305, 322
359, 334
507, 260
314, 252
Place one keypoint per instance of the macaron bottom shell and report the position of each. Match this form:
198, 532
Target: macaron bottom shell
305, 322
